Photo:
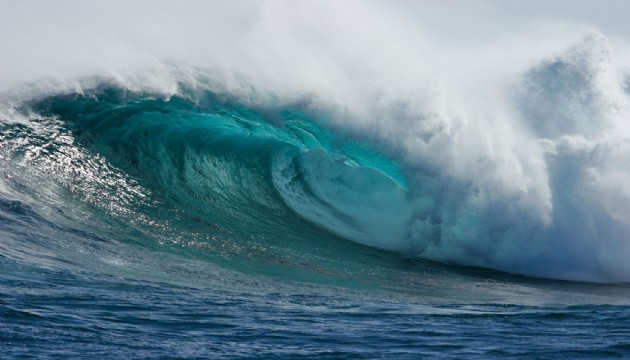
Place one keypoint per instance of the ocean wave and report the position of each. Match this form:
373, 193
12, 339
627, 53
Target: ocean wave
536, 188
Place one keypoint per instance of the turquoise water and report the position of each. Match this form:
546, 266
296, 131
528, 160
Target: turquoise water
135, 225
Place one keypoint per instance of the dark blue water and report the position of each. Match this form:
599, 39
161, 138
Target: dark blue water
56, 313
135, 226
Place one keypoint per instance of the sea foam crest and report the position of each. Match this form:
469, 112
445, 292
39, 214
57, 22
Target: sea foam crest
539, 190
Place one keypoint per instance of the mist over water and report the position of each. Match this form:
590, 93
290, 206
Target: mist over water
496, 137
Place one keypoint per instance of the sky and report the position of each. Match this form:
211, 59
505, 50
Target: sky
68, 38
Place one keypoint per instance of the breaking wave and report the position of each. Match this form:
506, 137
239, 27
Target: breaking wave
530, 176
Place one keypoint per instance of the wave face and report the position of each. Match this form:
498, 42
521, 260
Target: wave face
236, 166
199, 173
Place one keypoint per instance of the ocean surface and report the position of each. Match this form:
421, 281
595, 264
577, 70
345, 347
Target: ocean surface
277, 184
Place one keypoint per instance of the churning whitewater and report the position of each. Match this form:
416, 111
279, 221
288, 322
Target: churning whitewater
538, 187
